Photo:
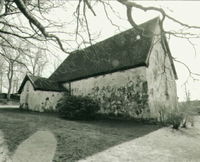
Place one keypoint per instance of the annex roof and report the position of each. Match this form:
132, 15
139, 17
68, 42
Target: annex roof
40, 83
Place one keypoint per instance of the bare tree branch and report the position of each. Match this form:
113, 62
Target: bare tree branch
20, 4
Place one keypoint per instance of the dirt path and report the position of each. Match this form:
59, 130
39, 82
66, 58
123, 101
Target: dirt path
9, 106
40, 147
164, 145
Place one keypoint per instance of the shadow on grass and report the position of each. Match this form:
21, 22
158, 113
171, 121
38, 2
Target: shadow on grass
76, 139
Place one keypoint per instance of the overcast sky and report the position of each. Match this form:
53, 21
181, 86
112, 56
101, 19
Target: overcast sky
186, 11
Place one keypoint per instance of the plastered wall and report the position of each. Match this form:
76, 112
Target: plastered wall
38, 100
119, 93
161, 81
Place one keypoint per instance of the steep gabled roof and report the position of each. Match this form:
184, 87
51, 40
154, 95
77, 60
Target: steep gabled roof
126, 50
43, 84
120, 52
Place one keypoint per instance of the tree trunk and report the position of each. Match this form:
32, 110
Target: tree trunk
10, 77
9, 89
17, 85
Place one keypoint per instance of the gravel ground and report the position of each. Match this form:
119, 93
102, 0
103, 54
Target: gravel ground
164, 145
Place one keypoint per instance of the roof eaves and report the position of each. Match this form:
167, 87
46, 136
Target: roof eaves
41, 89
170, 57
149, 52
152, 42
104, 73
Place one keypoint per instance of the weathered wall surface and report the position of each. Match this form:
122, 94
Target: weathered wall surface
122, 93
38, 100
161, 81
24, 94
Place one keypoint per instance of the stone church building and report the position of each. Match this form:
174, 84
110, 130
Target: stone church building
131, 73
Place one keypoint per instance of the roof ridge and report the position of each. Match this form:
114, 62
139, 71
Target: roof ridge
115, 35
43, 84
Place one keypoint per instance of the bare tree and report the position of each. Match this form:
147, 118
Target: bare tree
39, 26
11, 61
30, 9
36, 59
11, 57
18, 75
187, 93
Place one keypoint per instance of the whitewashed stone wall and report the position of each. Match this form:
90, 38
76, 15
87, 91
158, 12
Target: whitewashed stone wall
38, 100
161, 81
122, 93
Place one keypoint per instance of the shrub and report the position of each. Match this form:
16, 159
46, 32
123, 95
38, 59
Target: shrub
175, 119
77, 107
173, 116
188, 112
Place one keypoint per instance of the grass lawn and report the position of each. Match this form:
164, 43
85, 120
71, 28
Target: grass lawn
76, 139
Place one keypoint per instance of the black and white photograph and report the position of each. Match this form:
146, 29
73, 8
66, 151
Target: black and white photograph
99, 81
